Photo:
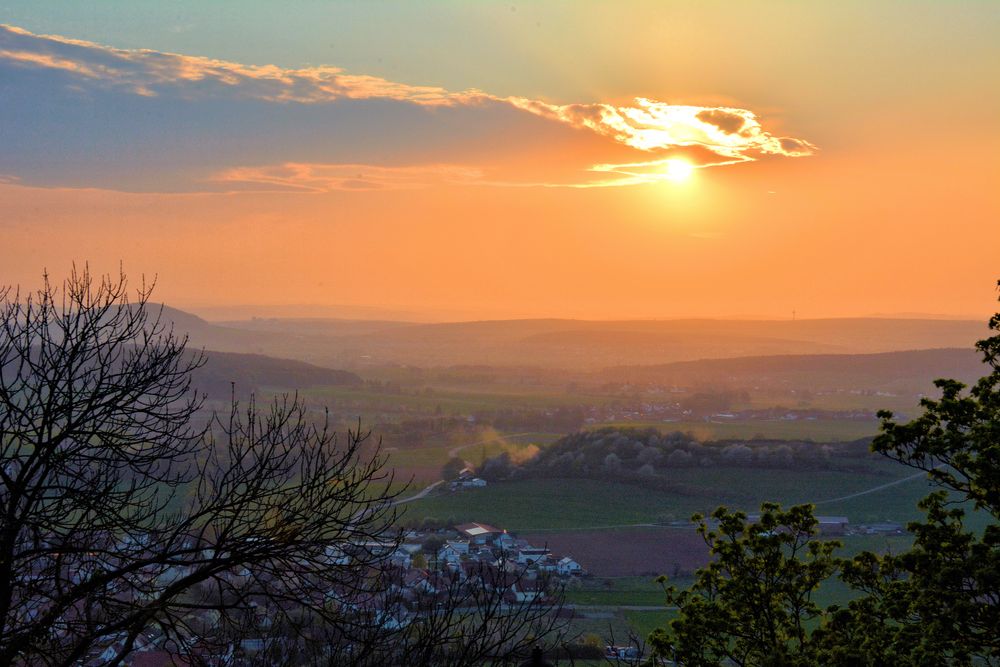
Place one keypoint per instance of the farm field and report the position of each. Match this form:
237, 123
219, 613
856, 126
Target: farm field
573, 504
449, 402
616, 591
630, 555
606, 599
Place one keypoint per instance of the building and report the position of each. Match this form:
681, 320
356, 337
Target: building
567, 566
478, 533
527, 555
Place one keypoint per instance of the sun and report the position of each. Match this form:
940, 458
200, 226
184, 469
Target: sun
678, 170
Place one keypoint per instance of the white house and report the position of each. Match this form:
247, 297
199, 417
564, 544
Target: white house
531, 554
449, 554
526, 592
567, 566
460, 546
504, 541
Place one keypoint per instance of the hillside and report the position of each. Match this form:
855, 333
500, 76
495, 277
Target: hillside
253, 372
881, 370
566, 344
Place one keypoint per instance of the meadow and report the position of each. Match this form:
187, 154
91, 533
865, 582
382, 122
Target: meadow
575, 504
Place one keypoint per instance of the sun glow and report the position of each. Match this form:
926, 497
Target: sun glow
678, 170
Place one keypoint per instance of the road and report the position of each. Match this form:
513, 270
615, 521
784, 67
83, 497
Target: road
874, 489
420, 494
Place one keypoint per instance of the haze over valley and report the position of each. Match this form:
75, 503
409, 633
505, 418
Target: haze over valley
482, 334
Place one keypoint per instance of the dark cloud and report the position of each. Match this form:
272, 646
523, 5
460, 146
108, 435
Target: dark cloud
78, 114
727, 121
795, 147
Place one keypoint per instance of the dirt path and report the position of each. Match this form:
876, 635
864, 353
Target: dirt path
874, 489
420, 494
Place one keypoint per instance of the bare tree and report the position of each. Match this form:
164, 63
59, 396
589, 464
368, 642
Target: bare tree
131, 517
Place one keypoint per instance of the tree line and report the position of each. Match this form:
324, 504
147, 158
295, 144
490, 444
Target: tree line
641, 455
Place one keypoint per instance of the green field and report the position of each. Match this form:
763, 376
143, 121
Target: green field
615, 591
561, 504
424, 400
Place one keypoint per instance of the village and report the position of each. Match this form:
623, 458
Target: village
449, 572
477, 544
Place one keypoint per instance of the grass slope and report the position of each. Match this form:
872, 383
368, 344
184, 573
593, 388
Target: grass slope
566, 504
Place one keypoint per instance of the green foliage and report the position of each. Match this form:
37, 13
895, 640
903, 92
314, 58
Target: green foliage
937, 603
631, 455
452, 468
940, 601
753, 604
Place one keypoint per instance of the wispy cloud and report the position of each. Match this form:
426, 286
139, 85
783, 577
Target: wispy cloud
151, 73
345, 177
86, 115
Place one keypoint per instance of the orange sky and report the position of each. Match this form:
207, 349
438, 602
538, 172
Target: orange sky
867, 178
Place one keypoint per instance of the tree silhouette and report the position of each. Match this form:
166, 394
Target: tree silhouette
132, 517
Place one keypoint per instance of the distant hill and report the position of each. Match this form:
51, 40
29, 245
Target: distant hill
882, 370
253, 372
568, 344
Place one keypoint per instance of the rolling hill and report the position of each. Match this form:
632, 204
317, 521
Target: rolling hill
567, 344
882, 370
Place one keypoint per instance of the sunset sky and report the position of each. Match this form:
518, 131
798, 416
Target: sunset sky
490, 160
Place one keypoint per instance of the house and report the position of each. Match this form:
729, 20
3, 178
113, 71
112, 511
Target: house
828, 525
449, 554
418, 580
531, 554
548, 564
621, 652
478, 533
401, 558
832, 525
887, 527
461, 546
504, 541
567, 567
526, 591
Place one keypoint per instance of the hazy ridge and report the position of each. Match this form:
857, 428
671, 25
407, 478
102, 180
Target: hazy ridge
566, 344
